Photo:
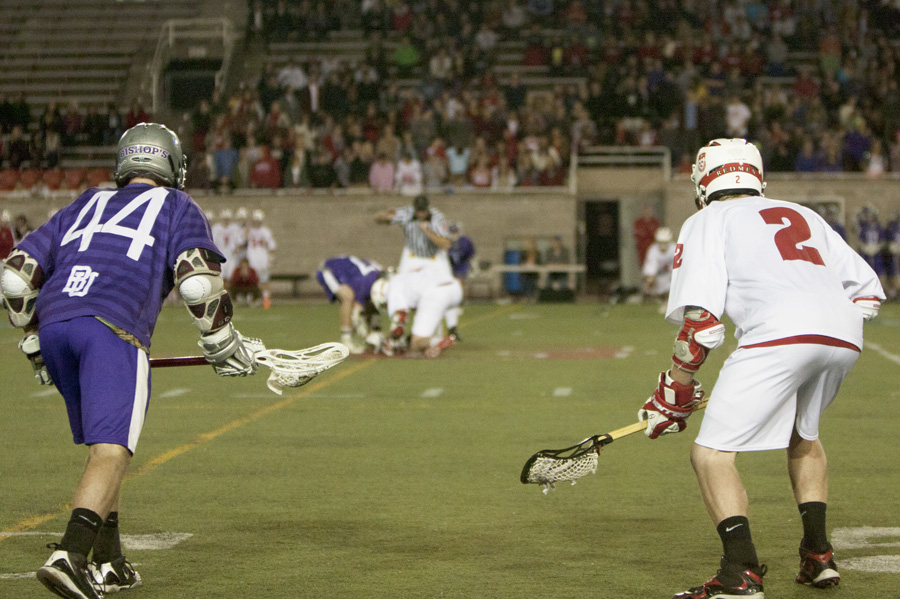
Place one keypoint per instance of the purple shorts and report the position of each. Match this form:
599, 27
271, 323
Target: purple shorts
104, 380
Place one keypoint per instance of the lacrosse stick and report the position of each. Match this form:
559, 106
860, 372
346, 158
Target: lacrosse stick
289, 368
550, 466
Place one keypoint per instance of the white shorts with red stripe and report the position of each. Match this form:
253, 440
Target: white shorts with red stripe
766, 390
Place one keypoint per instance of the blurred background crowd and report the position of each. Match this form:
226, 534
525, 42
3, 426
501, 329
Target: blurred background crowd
813, 82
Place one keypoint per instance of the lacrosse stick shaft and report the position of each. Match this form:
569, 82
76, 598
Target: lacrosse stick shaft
641, 426
182, 361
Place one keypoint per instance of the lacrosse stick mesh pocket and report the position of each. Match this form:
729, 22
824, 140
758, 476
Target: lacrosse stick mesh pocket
296, 368
547, 470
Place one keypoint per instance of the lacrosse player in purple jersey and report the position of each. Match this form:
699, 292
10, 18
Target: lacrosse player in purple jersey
349, 279
798, 296
87, 288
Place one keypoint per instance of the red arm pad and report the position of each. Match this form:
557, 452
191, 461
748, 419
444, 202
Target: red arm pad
700, 333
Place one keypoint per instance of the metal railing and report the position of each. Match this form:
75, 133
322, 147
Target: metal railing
190, 30
628, 156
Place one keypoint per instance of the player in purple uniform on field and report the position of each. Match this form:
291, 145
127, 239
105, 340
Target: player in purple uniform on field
461, 254
87, 288
349, 279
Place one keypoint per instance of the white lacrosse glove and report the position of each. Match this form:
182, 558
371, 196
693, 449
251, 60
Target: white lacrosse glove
359, 322
31, 347
229, 353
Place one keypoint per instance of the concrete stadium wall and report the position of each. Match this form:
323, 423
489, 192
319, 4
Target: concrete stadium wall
312, 227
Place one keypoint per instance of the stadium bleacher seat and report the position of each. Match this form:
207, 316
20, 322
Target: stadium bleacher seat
54, 177
96, 176
8, 179
30, 177
75, 177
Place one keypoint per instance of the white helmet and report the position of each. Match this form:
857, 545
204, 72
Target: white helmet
258, 215
241, 213
226, 214
663, 235
732, 165
379, 292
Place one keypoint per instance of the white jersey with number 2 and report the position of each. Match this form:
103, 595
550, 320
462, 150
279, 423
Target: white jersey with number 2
776, 269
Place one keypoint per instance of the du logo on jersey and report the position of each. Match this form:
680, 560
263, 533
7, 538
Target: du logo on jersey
80, 280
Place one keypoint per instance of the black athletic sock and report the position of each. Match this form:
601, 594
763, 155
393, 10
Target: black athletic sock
107, 545
814, 537
737, 545
81, 531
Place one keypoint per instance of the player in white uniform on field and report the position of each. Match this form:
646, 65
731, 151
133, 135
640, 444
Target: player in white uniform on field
798, 296
261, 252
430, 293
228, 237
657, 268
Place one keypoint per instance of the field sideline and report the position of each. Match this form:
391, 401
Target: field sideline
389, 478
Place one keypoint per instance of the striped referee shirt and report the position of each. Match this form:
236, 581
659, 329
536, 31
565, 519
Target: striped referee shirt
417, 241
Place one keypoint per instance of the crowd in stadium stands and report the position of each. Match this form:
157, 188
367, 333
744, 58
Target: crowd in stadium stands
813, 82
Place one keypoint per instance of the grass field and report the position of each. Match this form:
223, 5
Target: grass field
396, 478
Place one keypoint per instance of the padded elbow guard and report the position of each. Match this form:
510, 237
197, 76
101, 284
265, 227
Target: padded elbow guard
199, 280
700, 333
20, 282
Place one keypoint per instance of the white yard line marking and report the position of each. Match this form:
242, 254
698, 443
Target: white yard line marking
45, 392
625, 352
889, 564
562, 392
175, 392
884, 353
433, 392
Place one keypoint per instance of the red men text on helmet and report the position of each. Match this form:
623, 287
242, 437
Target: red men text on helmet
727, 165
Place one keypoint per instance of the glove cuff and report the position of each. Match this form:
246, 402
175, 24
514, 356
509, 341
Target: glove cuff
30, 345
219, 345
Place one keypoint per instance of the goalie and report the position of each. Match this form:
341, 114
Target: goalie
87, 288
798, 296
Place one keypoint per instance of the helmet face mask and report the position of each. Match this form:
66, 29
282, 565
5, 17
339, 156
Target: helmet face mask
727, 166
153, 151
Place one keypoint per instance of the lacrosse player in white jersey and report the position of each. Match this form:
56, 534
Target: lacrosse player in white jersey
657, 268
226, 235
426, 235
261, 253
798, 296
430, 293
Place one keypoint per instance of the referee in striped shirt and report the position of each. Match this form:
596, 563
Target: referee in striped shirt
426, 233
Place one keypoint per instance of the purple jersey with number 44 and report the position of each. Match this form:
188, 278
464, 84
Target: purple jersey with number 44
111, 253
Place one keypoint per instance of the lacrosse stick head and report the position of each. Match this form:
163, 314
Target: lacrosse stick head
296, 368
550, 466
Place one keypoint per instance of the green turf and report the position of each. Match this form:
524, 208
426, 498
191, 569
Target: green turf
369, 482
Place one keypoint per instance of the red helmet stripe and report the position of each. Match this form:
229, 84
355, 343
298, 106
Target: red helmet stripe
731, 167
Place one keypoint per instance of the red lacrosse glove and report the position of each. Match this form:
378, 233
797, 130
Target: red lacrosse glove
398, 324
669, 406
700, 333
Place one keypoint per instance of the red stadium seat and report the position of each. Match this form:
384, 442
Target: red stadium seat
54, 178
96, 176
8, 179
75, 177
30, 177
